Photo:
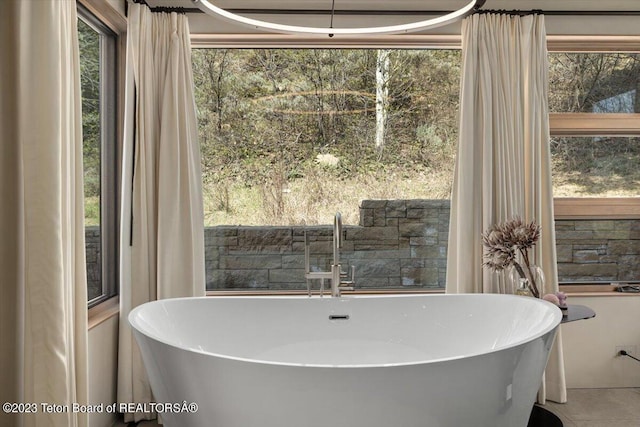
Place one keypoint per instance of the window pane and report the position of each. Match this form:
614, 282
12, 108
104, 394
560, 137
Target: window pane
289, 137
596, 250
90, 78
594, 82
596, 166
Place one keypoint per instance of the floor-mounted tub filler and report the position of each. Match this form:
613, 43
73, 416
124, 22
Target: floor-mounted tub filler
367, 361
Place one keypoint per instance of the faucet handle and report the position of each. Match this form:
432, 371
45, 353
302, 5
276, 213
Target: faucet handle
349, 285
352, 280
344, 274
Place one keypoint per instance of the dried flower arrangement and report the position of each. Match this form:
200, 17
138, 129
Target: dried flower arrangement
503, 242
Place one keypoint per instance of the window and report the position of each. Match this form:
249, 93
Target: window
288, 138
595, 123
595, 149
98, 81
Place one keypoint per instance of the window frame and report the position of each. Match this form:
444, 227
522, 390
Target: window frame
595, 124
109, 153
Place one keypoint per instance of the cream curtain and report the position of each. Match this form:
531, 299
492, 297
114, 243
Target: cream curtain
503, 166
43, 291
162, 251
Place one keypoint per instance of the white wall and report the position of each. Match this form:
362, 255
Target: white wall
590, 345
103, 359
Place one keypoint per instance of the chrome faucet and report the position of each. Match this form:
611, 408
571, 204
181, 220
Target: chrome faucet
335, 275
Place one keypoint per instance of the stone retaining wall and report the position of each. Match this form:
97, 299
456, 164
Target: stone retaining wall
94, 265
401, 244
398, 244
603, 250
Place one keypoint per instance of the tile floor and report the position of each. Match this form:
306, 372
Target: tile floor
612, 407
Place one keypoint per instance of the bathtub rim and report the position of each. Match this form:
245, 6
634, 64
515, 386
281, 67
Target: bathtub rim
132, 320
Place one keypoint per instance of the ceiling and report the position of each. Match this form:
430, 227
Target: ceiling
413, 4
617, 24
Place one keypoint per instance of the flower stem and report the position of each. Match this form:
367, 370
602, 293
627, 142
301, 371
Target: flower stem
519, 270
532, 283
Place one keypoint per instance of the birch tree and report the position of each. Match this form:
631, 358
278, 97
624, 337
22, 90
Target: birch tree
382, 96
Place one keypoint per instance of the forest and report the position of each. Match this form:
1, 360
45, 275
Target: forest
289, 136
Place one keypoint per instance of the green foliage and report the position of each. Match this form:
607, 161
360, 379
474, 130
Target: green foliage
91, 211
89, 43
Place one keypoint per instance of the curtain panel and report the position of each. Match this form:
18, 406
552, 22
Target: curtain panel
503, 166
43, 290
162, 231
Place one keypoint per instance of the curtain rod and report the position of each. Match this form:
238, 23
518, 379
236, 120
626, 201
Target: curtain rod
514, 12
166, 9
248, 11
162, 9
268, 11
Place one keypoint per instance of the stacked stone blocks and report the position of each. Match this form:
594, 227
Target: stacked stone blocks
598, 250
400, 244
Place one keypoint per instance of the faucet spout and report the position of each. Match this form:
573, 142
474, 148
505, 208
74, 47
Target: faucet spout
337, 284
337, 237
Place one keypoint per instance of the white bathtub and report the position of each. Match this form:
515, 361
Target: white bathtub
396, 361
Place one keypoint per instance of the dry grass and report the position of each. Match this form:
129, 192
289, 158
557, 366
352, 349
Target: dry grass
577, 184
315, 198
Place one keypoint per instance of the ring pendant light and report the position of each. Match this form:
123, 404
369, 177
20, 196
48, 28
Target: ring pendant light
207, 6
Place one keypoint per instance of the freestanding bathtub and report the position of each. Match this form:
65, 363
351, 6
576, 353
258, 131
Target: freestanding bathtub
371, 361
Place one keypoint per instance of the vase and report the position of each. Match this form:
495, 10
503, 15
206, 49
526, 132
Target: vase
526, 280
